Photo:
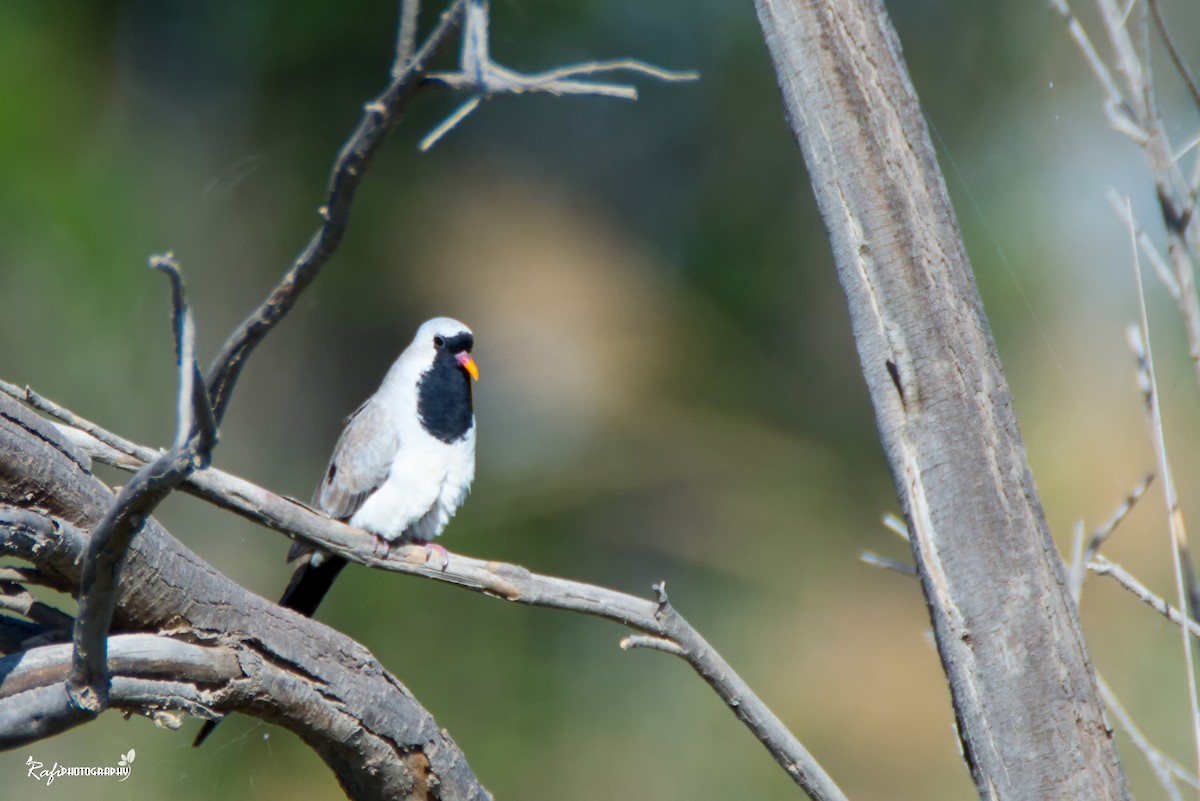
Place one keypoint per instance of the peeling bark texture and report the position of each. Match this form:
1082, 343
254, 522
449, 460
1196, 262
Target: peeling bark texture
1022, 684
295, 672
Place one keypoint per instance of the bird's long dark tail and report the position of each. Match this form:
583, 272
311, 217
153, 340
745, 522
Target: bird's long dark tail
310, 583
303, 594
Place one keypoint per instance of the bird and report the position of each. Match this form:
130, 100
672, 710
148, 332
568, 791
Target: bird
403, 464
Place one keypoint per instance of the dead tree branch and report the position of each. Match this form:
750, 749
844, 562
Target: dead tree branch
293, 671
379, 118
1022, 684
484, 78
658, 619
88, 684
1103, 566
1133, 110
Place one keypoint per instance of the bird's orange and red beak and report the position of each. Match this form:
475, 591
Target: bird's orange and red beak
468, 364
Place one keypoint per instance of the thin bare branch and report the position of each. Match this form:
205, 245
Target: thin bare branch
508, 582
406, 39
1176, 57
1165, 769
875, 560
1102, 566
24, 575
66, 416
1082, 556
654, 643
1149, 250
149, 671
1094, 62
479, 74
1135, 113
378, 119
1184, 576
1101, 535
88, 685
15, 598
895, 524
194, 413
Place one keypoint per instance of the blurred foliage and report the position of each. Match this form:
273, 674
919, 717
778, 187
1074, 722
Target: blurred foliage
670, 388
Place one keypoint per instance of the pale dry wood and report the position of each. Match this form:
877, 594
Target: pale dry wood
88, 684
331, 691
485, 78
501, 580
1021, 681
378, 119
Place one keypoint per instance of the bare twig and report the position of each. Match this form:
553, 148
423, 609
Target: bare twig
1149, 250
24, 575
406, 39
895, 524
88, 685
15, 598
1180, 65
378, 119
653, 643
64, 415
1101, 535
291, 670
1166, 769
194, 413
1084, 555
508, 582
1102, 566
1135, 113
485, 78
875, 560
1184, 576
1113, 99
148, 670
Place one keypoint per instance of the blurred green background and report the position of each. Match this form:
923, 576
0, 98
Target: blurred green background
669, 386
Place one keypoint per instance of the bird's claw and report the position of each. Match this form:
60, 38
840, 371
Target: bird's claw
380, 547
432, 548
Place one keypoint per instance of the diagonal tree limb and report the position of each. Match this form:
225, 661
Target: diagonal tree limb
379, 118
296, 672
87, 686
406, 38
1021, 680
1177, 59
485, 78
16, 599
194, 414
508, 582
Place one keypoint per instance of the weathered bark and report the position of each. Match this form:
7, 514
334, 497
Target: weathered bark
1023, 687
294, 671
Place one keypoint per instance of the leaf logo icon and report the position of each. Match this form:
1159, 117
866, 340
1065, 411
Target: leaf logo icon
127, 758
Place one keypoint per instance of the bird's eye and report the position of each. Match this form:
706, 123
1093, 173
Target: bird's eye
439, 342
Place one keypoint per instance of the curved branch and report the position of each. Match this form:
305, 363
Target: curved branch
1014, 655
88, 684
379, 118
498, 579
293, 671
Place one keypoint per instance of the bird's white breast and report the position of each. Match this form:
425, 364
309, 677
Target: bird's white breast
427, 481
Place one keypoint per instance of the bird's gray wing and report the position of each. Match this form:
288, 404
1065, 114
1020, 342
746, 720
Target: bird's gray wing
359, 465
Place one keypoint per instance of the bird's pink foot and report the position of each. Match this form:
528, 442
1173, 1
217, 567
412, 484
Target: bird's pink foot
433, 548
379, 546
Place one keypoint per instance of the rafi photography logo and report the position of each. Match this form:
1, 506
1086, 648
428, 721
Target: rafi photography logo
39, 772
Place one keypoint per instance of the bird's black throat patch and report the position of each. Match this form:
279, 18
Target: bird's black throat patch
444, 393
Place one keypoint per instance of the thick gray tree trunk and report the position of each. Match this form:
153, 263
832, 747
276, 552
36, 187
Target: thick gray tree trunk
263, 659
1024, 693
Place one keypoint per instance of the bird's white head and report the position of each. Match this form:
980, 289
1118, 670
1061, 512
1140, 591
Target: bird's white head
444, 334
